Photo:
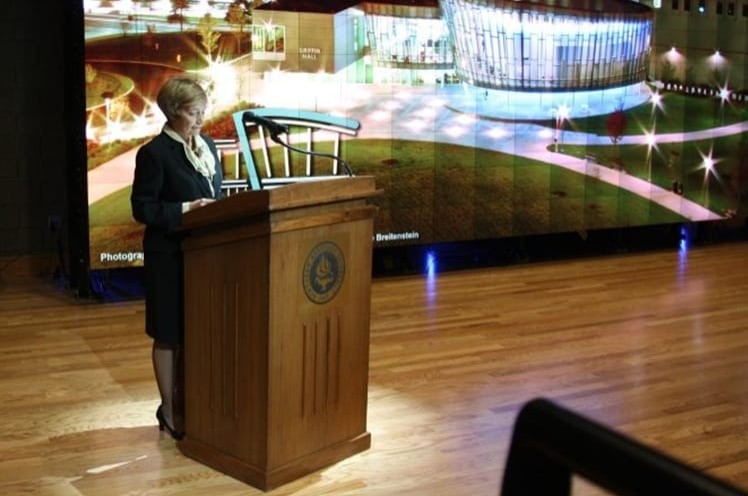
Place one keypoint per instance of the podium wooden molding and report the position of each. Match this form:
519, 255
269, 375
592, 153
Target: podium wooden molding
277, 305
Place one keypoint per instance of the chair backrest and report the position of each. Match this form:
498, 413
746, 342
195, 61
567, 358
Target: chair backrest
319, 135
550, 443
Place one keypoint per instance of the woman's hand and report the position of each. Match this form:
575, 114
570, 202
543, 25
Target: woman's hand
201, 202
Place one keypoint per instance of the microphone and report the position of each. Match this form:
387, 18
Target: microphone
272, 126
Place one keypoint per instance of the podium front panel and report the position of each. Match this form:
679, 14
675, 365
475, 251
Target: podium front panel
319, 344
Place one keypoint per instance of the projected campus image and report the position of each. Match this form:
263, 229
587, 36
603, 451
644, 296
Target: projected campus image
479, 120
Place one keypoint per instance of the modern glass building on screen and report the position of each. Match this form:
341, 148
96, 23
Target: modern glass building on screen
591, 56
549, 45
515, 59
408, 43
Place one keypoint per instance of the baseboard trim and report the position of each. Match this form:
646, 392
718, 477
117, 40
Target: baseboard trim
28, 266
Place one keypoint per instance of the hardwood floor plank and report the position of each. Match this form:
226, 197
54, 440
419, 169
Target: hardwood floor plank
653, 345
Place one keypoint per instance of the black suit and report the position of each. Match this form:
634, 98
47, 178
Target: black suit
164, 180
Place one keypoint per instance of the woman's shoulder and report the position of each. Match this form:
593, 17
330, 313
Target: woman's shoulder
161, 141
159, 148
207, 138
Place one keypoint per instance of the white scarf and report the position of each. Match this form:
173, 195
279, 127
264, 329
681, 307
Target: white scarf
198, 154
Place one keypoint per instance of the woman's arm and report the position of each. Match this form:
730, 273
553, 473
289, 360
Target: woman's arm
147, 202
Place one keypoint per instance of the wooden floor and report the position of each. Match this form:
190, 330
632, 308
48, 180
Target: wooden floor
653, 345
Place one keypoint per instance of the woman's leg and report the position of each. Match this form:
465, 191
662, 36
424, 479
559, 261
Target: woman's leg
164, 369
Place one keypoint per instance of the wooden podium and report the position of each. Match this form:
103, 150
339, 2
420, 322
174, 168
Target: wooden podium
277, 303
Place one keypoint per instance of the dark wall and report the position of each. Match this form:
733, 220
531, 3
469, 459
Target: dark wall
32, 130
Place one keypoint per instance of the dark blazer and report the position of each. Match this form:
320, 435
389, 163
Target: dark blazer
164, 179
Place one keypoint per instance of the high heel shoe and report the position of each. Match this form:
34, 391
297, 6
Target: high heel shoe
163, 425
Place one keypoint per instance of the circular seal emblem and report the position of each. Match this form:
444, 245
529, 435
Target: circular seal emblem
323, 272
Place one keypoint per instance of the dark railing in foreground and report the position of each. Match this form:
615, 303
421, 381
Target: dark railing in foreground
550, 444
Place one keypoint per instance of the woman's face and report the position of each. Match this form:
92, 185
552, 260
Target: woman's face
189, 120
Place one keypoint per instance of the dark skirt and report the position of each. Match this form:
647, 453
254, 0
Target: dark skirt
164, 300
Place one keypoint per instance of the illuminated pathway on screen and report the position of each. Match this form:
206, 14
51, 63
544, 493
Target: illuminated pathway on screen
422, 114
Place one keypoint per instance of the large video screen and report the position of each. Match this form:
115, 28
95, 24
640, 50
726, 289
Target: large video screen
479, 120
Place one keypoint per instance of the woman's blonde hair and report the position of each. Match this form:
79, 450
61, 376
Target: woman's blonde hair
178, 91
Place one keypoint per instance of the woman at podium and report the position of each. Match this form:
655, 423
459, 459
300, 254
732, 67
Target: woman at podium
177, 171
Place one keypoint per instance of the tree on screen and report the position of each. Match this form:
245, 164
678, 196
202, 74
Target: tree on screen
206, 28
178, 7
616, 126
